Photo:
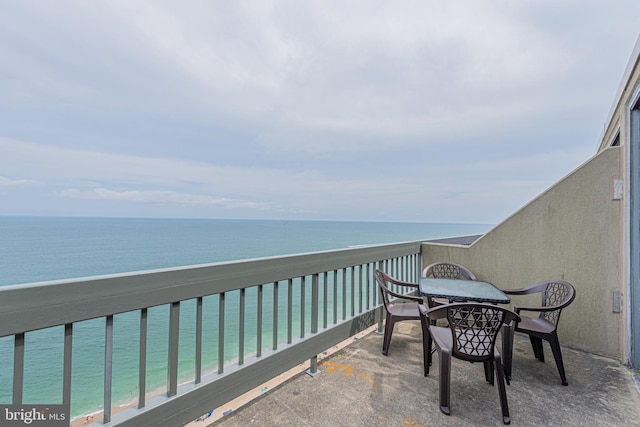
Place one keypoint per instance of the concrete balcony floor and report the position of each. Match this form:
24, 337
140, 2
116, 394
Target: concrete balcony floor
358, 386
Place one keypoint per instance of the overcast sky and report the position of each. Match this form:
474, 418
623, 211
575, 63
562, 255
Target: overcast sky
426, 111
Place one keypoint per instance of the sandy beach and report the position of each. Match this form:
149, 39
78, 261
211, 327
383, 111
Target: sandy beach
217, 413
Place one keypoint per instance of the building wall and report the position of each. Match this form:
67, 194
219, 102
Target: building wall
617, 121
574, 232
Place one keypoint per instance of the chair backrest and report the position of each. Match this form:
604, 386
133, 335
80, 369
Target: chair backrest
556, 293
447, 270
382, 279
474, 327
391, 289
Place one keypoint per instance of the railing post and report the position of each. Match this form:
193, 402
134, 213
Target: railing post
241, 327
108, 369
303, 310
344, 293
221, 300
313, 366
335, 297
419, 262
313, 362
289, 310
198, 355
314, 303
352, 269
360, 293
66, 377
259, 324
325, 305
142, 360
367, 286
380, 329
18, 368
174, 339
275, 315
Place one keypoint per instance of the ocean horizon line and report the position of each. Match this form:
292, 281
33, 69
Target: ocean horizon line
187, 218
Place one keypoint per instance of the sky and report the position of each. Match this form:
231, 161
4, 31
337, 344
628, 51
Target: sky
411, 111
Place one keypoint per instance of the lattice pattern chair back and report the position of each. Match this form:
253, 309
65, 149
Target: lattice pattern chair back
474, 328
447, 270
471, 336
556, 293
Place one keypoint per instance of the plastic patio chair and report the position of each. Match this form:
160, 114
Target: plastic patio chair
556, 295
399, 307
446, 270
471, 336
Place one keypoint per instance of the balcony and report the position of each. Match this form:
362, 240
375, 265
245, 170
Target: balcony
231, 327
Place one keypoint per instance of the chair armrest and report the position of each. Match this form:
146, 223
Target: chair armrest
407, 284
407, 297
538, 309
533, 289
438, 312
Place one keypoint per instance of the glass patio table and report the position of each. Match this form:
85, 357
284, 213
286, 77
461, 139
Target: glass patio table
456, 290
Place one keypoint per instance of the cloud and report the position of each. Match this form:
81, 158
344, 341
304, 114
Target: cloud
148, 180
315, 109
373, 69
9, 183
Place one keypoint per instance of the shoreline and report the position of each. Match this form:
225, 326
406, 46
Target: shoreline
233, 405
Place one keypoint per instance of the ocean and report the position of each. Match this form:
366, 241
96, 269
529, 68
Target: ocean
34, 249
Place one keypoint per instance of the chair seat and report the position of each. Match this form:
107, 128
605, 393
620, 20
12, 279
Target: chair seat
537, 325
408, 309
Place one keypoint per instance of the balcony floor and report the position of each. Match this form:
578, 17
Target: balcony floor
358, 386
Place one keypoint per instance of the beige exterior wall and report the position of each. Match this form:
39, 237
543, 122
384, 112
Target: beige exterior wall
574, 232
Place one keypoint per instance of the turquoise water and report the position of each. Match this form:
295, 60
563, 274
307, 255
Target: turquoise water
36, 249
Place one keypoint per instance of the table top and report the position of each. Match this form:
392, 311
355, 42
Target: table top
457, 290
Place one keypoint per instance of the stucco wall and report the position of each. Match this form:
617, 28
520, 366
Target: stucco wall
570, 232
